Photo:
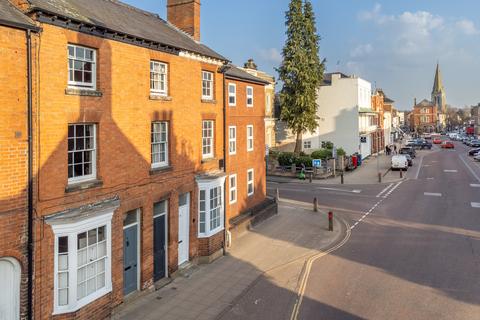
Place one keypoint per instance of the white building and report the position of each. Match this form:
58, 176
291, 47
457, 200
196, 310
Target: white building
345, 115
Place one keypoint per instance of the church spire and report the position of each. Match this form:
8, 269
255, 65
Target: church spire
437, 83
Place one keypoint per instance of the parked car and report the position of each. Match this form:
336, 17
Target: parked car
423, 144
477, 157
474, 143
399, 162
448, 145
473, 151
408, 150
409, 159
437, 141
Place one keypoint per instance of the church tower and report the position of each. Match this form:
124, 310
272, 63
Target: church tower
438, 92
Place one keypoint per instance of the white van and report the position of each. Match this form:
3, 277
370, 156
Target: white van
399, 162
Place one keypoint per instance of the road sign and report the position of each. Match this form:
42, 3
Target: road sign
316, 163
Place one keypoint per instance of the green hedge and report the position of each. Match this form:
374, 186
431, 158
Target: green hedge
322, 154
289, 158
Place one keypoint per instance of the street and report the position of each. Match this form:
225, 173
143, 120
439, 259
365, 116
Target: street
413, 252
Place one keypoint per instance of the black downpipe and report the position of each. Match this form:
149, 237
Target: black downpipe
30, 178
224, 162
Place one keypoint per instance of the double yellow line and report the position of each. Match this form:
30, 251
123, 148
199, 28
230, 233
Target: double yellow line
308, 268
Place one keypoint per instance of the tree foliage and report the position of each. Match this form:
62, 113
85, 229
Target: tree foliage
301, 71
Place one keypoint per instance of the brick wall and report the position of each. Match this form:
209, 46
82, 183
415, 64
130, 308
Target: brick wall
123, 115
185, 15
13, 152
241, 116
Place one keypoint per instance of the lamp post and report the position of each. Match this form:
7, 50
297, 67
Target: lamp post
378, 155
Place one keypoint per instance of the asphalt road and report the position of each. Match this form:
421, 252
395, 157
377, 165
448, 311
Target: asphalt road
413, 253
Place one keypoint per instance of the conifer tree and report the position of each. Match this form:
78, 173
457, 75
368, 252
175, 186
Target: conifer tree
301, 71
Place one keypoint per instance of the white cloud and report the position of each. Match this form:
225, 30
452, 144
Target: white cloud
375, 15
271, 54
361, 50
467, 26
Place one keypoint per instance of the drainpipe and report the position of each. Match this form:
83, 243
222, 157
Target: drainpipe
224, 161
30, 177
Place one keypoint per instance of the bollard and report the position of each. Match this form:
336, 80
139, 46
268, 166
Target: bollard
315, 204
330, 221
277, 195
379, 177
401, 173
341, 178
310, 177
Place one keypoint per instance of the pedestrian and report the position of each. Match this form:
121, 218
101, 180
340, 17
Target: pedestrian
386, 150
394, 149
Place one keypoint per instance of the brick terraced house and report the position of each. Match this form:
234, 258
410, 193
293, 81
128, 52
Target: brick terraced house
15, 36
131, 114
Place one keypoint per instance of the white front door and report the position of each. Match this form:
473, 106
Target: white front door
183, 227
10, 289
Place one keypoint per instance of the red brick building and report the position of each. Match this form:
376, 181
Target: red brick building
15, 30
130, 127
424, 117
378, 137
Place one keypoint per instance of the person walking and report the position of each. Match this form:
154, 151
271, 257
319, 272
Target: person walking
394, 149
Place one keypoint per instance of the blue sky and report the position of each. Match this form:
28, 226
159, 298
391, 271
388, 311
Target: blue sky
393, 44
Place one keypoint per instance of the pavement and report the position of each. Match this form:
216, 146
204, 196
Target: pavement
272, 255
414, 249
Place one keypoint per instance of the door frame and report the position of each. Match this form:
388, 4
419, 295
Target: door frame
17, 278
167, 206
188, 228
138, 213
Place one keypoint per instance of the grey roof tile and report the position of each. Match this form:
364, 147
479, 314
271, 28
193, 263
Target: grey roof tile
12, 17
120, 17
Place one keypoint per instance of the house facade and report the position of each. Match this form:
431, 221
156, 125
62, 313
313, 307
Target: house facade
424, 118
345, 115
16, 32
131, 174
378, 139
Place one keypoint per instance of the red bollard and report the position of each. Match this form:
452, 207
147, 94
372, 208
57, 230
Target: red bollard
330, 221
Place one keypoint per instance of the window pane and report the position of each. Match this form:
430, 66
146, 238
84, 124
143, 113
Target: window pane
102, 249
91, 286
82, 275
62, 297
82, 240
63, 280
81, 290
62, 244
92, 237
62, 262
100, 281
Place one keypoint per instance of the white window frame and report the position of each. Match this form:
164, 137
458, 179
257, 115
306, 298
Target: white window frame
210, 140
232, 94
232, 188
159, 92
93, 175
251, 182
166, 142
80, 84
207, 84
268, 103
206, 187
250, 142
249, 96
71, 231
305, 144
232, 141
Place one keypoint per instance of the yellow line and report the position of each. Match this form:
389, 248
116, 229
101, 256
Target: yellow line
306, 274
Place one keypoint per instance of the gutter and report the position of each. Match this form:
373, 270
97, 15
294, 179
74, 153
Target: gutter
30, 177
224, 160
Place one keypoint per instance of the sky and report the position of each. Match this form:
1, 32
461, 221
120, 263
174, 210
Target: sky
393, 44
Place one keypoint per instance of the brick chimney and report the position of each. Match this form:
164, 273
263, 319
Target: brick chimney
185, 15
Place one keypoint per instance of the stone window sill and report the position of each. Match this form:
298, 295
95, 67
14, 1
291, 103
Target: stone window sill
83, 185
212, 101
83, 92
160, 170
208, 160
160, 97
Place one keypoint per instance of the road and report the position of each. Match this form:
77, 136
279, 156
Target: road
413, 251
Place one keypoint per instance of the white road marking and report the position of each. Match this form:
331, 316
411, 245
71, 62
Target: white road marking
419, 167
384, 190
430, 178
474, 185
475, 204
469, 168
450, 170
337, 189
432, 194
426, 165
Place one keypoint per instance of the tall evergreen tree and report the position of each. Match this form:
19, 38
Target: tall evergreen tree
300, 71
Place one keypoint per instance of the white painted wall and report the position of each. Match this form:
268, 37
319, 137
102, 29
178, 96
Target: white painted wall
338, 107
387, 125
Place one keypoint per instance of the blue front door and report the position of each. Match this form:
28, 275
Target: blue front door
130, 259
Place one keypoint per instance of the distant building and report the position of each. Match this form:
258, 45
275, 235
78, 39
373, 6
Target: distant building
475, 113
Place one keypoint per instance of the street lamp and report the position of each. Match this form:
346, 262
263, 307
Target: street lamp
378, 155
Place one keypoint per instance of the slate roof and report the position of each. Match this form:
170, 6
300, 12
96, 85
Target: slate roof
327, 77
424, 103
12, 17
123, 18
234, 72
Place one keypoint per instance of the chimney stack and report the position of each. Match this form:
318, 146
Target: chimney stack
414, 102
185, 15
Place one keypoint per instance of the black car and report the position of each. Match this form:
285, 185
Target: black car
473, 152
407, 150
409, 159
422, 144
